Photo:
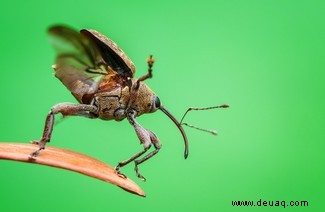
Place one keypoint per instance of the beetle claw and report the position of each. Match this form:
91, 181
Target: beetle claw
34, 154
34, 142
141, 177
138, 174
120, 174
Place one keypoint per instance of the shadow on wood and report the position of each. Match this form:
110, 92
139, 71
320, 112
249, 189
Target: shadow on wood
66, 159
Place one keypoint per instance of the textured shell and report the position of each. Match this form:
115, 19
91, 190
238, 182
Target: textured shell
105, 44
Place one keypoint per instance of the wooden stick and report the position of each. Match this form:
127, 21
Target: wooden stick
66, 159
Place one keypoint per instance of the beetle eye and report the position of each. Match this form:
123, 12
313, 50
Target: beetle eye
157, 102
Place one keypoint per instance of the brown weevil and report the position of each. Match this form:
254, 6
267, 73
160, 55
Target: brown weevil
100, 76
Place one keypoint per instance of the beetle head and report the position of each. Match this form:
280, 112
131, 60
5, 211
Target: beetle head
146, 101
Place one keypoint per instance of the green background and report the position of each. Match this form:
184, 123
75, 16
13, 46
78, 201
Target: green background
263, 58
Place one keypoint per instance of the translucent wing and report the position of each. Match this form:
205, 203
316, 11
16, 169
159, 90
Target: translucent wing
83, 60
68, 42
76, 62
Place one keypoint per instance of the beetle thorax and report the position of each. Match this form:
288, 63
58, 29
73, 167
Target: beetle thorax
114, 104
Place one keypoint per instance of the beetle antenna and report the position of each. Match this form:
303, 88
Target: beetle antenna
213, 132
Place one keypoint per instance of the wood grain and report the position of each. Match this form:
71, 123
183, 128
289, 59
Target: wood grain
69, 160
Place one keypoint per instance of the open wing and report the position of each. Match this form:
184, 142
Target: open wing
83, 60
112, 55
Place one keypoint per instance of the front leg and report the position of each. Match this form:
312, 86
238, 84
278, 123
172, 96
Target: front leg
147, 138
65, 109
150, 62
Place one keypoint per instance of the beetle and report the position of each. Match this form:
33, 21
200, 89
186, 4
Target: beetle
101, 78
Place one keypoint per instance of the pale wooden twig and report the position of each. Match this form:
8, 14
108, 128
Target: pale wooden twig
66, 159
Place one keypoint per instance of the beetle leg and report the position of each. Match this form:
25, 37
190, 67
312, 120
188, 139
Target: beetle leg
123, 163
157, 146
150, 62
135, 87
146, 137
65, 109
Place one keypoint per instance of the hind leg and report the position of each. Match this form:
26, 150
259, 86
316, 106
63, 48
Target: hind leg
65, 109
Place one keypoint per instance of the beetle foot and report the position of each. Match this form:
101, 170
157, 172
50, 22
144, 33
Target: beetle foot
36, 153
120, 174
138, 174
34, 142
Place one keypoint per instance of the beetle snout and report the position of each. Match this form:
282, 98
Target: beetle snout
179, 126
